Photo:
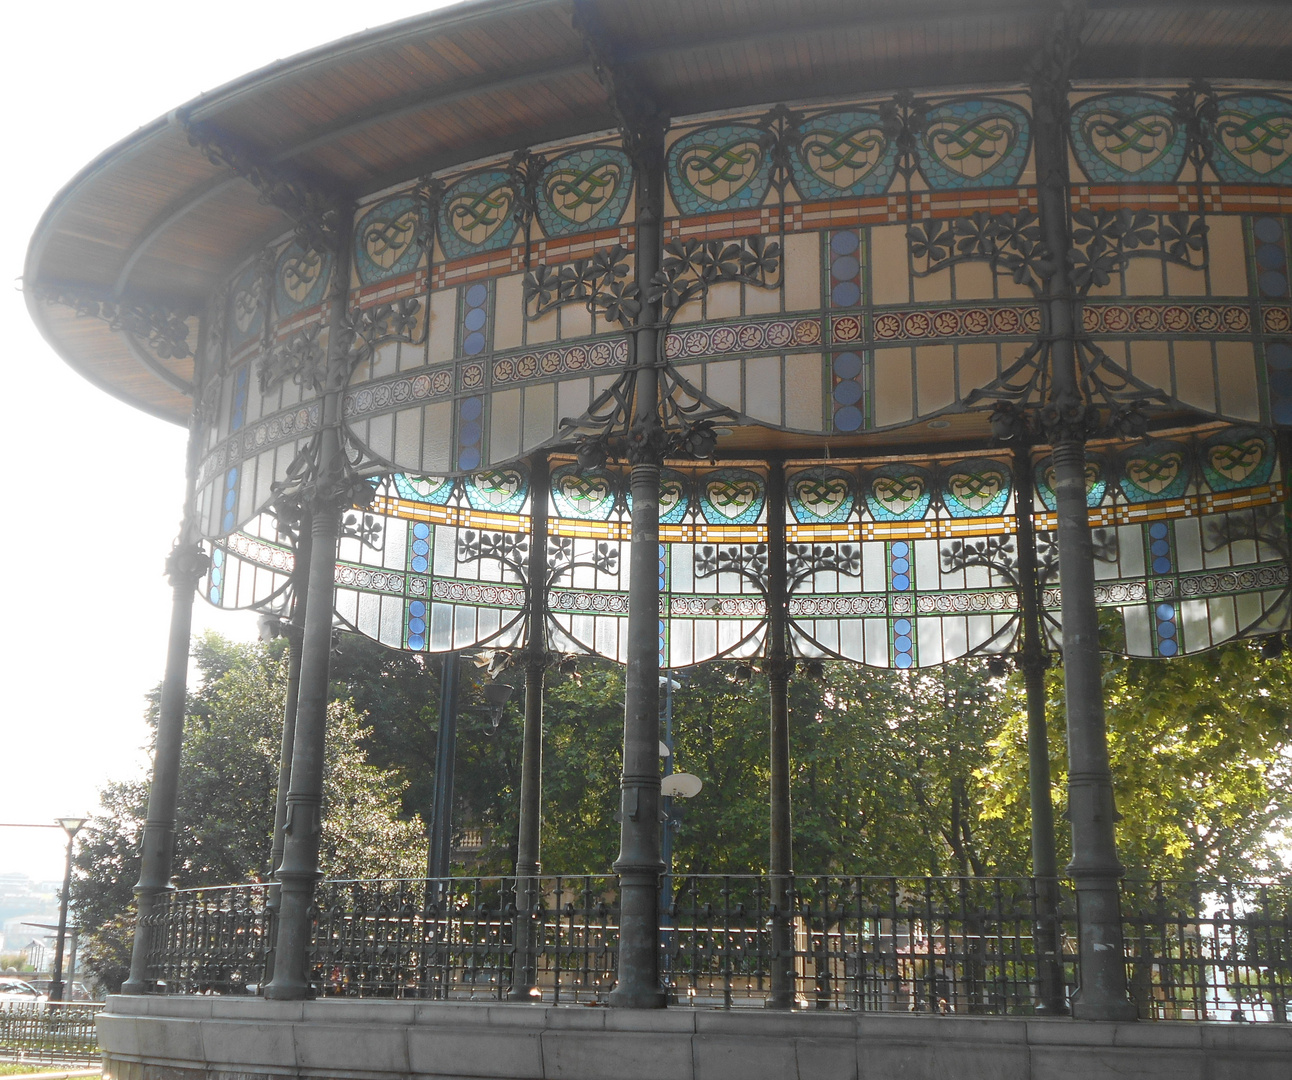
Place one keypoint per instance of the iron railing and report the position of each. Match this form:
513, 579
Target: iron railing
1209, 950
989, 946
60, 1033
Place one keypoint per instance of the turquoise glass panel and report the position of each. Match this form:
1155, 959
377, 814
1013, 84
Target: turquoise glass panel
1127, 137
585, 190
386, 239
976, 488
300, 279
843, 153
975, 144
478, 214
725, 167
898, 492
1252, 139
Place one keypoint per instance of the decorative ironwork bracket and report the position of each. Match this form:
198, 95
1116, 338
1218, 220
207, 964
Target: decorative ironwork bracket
162, 329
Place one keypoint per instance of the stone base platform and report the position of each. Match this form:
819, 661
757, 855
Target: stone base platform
215, 1038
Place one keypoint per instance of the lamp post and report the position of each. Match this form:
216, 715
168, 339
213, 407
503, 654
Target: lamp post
71, 826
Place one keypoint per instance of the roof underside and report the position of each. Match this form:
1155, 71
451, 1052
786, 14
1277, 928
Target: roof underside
153, 218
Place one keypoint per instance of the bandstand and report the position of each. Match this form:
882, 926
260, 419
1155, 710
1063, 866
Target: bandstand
668, 332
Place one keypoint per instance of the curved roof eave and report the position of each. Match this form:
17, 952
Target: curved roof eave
361, 113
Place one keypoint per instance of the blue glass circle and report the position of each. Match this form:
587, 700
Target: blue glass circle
901, 566
1268, 230
1165, 612
477, 294
902, 643
473, 344
847, 393
421, 530
214, 594
475, 319
902, 626
848, 418
471, 408
1269, 257
845, 294
469, 458
1161, 566
1166, 630
1157, 530
232, 478
847, 365
217, 557
419, 564
417, 609
1168, 647
1160, 547
903, 660
228, 521
901, 582
416, 641
416, 626
844, 243
469, 434
1278, 354
230, 498
420, 547
900, 549
1273, 283
845, 268
217, 576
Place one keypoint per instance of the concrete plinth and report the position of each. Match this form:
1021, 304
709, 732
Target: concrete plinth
214, 1038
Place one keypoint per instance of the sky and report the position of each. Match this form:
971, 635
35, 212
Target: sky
94, 488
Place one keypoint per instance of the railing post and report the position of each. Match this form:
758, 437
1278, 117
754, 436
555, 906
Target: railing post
524, 977
185, 567
640, 860
780, 666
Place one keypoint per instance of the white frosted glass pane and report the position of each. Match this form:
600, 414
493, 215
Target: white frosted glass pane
1195, 625
889, 276
1239, 396
935, 377
1130, 545
1188, 545
437, 440
572, 398
264, 479
443, 316
803, 392
851, 642
464, 627
1224, 620
722, 382
876, 631
1227, 255
488, 622
762, 301
508, 319
369, 619
444, 562
873, 570
504, 425
576, 321
346, 602
927, 554
1194, 375
381, 435
441, 627
763, 389
939, 639
539, 416
706, 639
892, 386
1151, 362
723, 300
408, 439
396, 547
803, 272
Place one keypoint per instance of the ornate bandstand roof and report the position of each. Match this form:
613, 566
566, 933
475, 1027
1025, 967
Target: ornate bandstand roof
154, 221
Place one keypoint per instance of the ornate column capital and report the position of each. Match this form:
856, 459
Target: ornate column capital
185, 565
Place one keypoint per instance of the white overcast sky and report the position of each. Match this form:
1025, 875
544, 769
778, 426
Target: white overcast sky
93, 487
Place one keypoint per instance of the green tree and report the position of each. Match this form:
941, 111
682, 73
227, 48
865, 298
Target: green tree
227, 790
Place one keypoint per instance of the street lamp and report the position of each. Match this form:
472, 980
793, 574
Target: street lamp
71, 826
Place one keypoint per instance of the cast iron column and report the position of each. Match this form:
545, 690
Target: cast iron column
640, 860
446, 756
524, 973
303, 825
295, 630
1094, 868
185, 567
1049, 974
780, 666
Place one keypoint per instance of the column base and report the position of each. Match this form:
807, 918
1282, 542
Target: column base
1112, 1010
633, 999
